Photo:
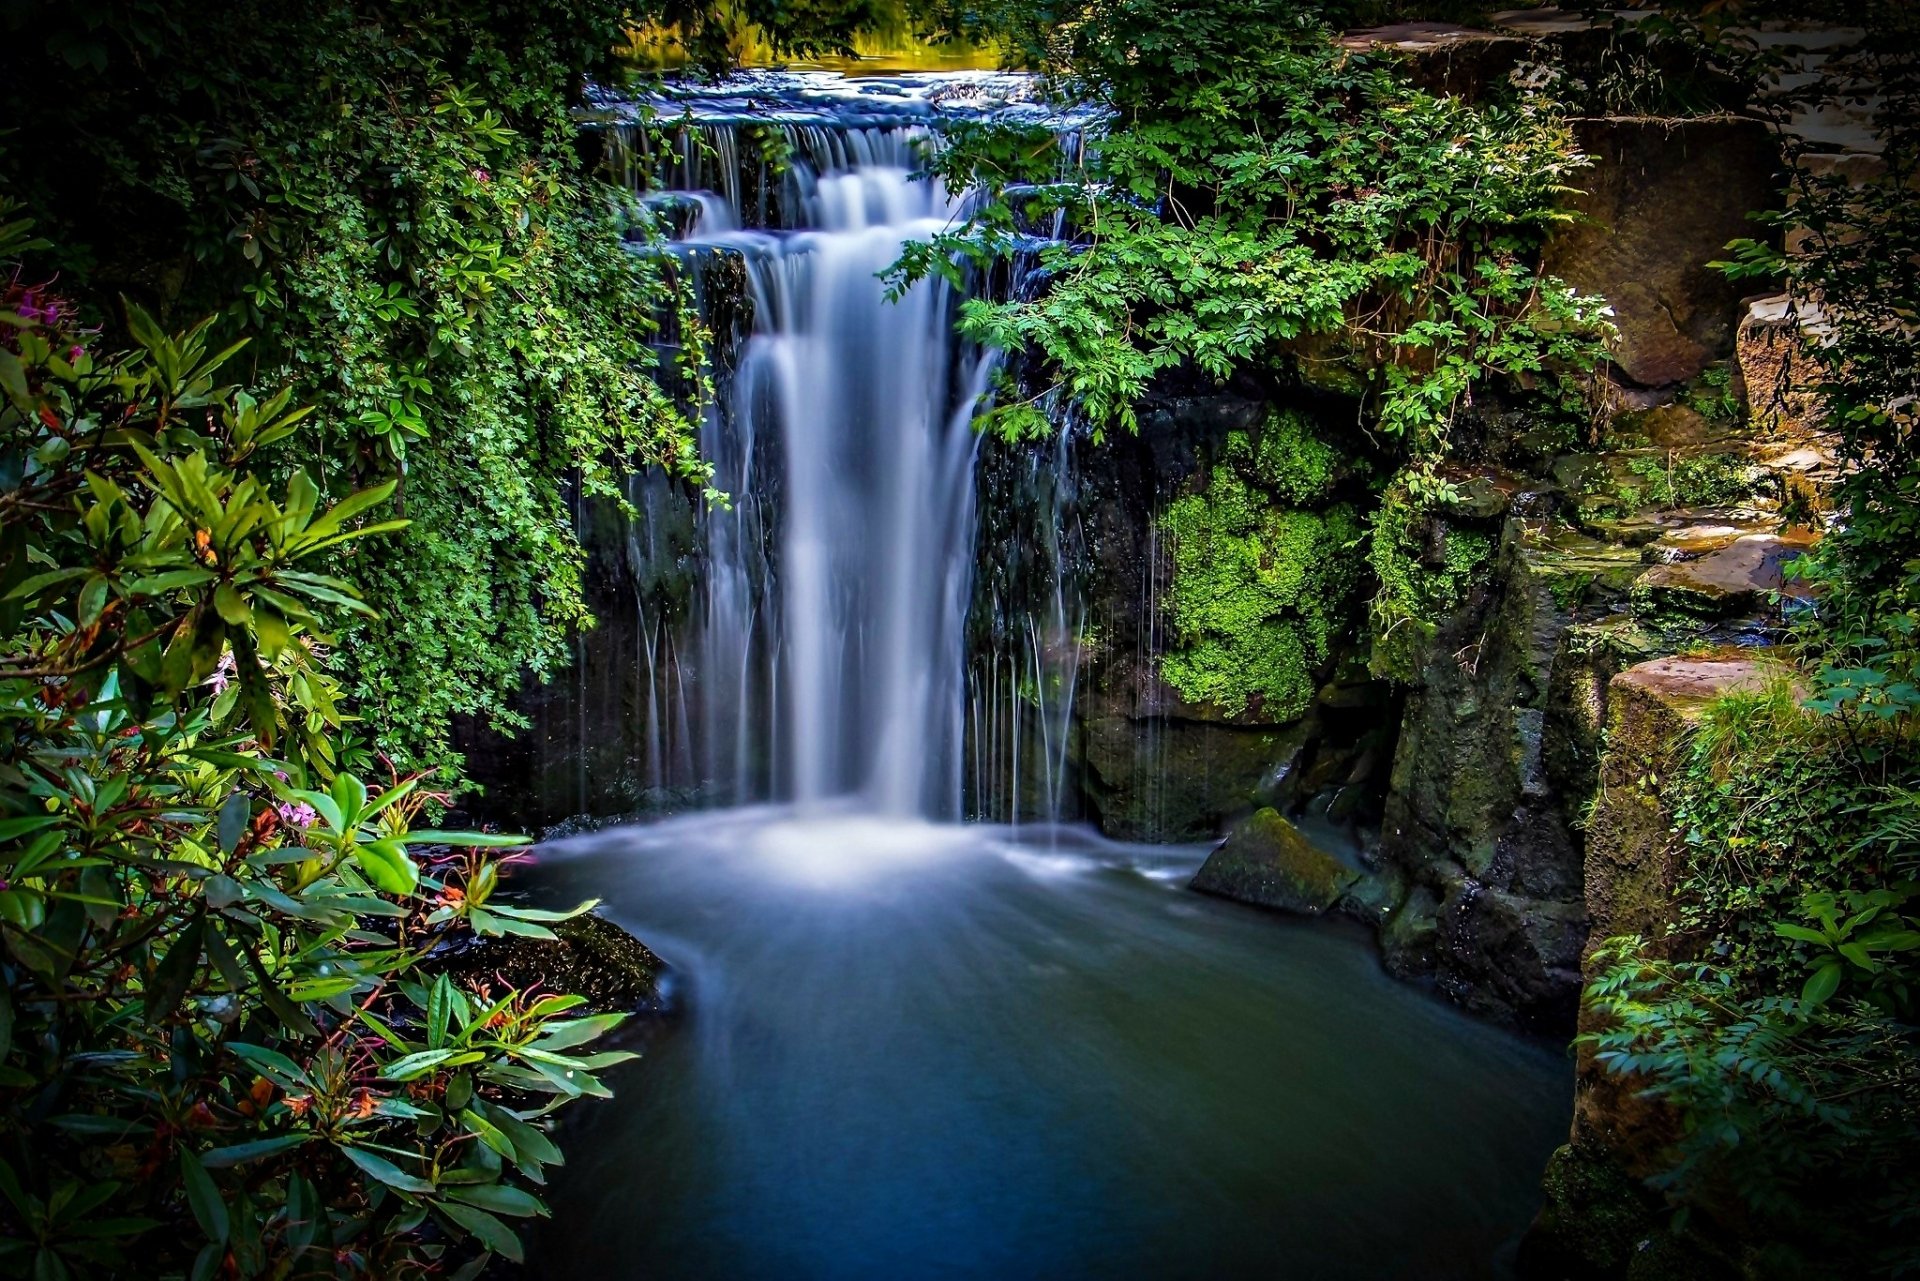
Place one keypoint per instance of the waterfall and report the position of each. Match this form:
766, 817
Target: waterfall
808, 638
834, 594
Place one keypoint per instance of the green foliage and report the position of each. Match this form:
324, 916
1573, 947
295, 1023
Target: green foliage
394, 192
1258, 187
1792, 1050
221, 1050
1427, 565
1708, 480
1790, 1053
1260, 585
1263, 200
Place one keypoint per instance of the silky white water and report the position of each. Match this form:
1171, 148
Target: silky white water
873, 521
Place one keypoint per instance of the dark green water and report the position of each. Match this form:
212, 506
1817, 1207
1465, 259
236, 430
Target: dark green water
947, 1052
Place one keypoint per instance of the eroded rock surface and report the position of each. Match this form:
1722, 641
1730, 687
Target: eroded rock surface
1662, 200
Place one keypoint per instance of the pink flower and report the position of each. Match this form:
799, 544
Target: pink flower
299, 814
222, 674
481, 175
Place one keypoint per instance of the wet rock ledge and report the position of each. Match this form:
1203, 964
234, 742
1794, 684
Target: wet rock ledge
593, 957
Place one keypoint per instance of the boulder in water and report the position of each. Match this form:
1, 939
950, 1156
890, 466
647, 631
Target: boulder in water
590, 956
1267, 862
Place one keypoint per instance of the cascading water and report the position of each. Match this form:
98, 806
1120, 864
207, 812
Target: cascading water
926, 1048
827, 646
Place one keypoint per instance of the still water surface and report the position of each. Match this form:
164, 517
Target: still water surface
916, 1050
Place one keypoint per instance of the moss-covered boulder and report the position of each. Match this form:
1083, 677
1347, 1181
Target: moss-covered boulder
1268, 863
1171, 778
591, 956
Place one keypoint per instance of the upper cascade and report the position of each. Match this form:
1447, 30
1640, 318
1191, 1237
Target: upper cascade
823, 657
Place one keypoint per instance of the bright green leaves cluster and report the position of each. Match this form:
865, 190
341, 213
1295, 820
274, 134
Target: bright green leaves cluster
1261, 579
168, 559
1279, 191
222, 1050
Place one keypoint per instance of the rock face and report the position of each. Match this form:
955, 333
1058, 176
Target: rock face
1267, 862
1600, 1220
1662, 201
1724, 583
1475, 828
1444, 58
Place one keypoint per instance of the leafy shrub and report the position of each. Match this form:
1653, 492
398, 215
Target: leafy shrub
222, 1049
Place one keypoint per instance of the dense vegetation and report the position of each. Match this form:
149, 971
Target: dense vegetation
219, 1051
1265, 201
240, 623
1780, 1021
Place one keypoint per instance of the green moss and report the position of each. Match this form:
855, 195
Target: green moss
1710, 480
1259, 584
1422, 578
1670, 481
1293, 463
1711, 395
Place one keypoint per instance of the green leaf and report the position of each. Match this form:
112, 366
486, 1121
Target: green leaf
483, 1227
241, 1153
491, 839
209, 1211
12, 829
500, 1198
175, 972
1822, 985
350, 794
421, 1062
567, 1033
234, 815
1800, 933
378, 1167
232, 605
388, 866
273, 1065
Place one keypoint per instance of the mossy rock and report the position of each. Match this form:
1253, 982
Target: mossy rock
1600, 1224
591, 957
1734, 581
1267, 862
